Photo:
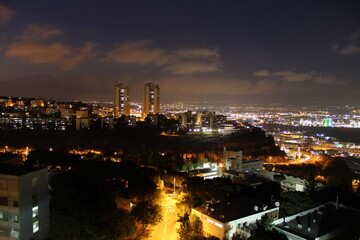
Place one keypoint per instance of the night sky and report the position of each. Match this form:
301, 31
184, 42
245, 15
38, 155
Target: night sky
289, 52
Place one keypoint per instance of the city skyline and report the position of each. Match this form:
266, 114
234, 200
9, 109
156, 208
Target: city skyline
239, 52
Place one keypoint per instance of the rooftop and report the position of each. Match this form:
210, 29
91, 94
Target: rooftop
320, 221
233, 209
251, 180
16, 170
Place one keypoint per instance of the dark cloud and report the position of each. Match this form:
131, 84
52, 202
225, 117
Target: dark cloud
351, 46
180, 88
198, 53
63, 55
40, 32
293, 76
66, 87
177, 62
34, 47
181, 68
139, 52
6, 14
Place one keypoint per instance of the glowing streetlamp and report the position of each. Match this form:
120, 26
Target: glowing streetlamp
174, 184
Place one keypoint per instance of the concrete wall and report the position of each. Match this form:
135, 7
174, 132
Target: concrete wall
217, 228
34, 185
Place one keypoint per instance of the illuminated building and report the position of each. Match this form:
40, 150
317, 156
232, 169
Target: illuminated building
232, 159
289, 183
67, 113
82, 123
232, 216
24, 202
45, 123
82, 113
151, 99
188, 120
107, 123
204, 121
327, 122
37, 102
121, 100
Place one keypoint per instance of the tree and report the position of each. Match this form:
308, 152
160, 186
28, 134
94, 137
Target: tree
295, 202
54, 160
185, 230
269, 191
195, 224
238, 236
191, 229
265, 230
310, 186
81, 208
147, 213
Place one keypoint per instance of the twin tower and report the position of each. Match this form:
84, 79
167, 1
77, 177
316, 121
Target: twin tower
122, 99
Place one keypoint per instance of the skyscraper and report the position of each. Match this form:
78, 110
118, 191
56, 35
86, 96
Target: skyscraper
121, 100
151, 99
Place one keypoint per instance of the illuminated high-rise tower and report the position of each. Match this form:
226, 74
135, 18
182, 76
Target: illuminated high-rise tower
121, 100
151, 99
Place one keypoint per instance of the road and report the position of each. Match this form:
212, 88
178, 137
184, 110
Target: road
166, 230
306, 157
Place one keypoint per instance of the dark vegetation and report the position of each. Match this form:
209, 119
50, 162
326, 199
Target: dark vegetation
141, 139
83, 205
265, 230
331, 170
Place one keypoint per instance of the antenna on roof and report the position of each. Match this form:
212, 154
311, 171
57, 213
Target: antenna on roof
337, 202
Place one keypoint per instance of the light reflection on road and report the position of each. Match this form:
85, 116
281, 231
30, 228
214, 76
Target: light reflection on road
166, 230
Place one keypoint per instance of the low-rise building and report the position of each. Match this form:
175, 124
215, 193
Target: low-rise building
232, 216
288, 183
233, 161
329, 221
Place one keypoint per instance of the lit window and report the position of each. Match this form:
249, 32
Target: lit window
218, 224
35, 226
210, 221
35, 212
14, 233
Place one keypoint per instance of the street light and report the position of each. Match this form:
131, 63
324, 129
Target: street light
174, 184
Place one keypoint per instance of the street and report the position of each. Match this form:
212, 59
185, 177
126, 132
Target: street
166, 230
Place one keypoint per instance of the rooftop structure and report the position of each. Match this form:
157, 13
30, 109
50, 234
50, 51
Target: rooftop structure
329, 221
